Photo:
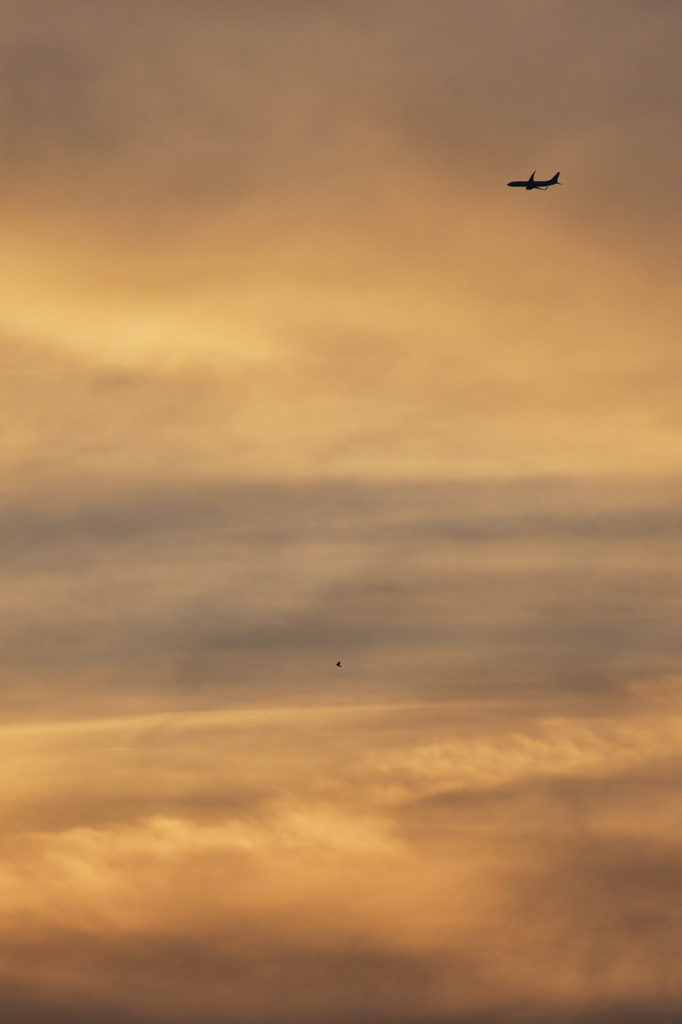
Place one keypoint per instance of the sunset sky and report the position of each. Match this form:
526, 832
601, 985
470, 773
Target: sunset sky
289, 376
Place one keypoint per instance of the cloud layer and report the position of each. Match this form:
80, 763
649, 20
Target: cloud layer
288, 376
193, 596
414, 863
474, 817
293, 224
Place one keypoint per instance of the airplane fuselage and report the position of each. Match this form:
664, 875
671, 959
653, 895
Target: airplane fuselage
532, 183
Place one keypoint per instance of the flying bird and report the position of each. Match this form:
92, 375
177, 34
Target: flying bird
338, 664
532, 183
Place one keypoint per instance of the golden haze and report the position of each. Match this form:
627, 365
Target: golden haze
290, 376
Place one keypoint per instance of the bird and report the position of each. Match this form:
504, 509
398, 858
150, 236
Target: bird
338, 664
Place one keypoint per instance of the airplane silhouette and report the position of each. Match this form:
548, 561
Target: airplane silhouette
338, 664
532, 183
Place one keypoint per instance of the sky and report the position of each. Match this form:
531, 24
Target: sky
288, 376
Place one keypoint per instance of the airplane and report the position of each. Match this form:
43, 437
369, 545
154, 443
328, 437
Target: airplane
532, 183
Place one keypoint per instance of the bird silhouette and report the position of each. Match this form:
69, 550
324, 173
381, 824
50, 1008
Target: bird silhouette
338, 664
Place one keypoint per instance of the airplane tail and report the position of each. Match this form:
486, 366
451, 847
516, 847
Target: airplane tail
555, 179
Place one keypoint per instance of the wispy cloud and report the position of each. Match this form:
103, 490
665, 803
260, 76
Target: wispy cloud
328, 847
288, 376
192, 594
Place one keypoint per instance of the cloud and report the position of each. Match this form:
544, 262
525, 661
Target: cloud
312, 205
288, 375
194, 594
524, 868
